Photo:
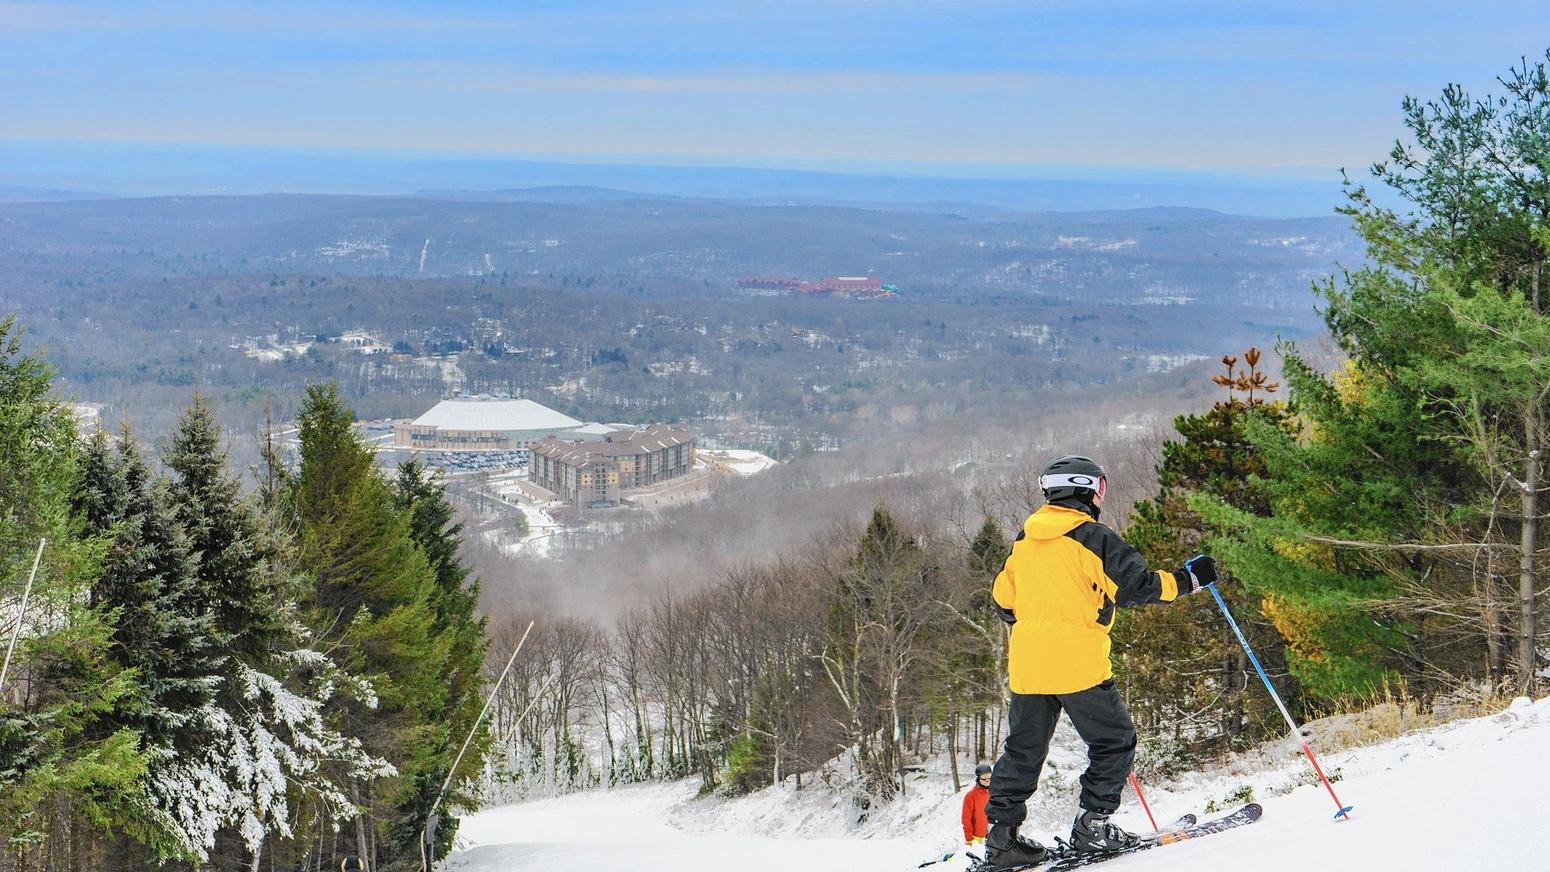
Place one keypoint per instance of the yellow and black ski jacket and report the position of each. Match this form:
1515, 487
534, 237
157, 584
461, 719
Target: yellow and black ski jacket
1062, 581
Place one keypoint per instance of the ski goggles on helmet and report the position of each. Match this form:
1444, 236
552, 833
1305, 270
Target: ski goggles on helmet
1096, 483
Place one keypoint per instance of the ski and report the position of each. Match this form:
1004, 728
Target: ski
1183, 821
1068, 859
1185, 827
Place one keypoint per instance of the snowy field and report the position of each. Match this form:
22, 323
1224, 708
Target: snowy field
1463, 796
744, 462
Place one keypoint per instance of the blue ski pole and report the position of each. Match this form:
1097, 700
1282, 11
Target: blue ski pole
1345, 810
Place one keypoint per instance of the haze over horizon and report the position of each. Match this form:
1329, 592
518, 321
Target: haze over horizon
85, 170
1113, 91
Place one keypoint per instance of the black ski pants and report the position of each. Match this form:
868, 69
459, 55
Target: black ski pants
1101, 720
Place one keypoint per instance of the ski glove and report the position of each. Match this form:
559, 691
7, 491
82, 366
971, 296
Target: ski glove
1005, 614
1200, 570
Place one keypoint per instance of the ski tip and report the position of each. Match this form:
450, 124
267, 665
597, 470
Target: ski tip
1344, 814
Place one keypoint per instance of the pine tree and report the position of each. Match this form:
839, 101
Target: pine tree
163, 630
884, 617
269, 743
461, 632
252, 606
1403, 537
373, 603
988, 551
1183, 659
65, 767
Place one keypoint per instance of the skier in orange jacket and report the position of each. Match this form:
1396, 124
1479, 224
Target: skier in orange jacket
974, 822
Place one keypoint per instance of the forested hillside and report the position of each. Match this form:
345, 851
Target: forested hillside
219, 673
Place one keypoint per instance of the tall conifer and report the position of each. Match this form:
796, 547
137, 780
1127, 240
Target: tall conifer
1403, 537
162, 631
373, 603
163, 628
269, 744
462, 635
65, 765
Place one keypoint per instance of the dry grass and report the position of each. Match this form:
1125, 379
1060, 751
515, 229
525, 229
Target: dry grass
1394, 712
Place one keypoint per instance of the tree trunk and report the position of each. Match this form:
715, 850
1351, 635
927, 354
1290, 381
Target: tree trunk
894, 756
1526, 572
1239, 697
360, 823
1496, 657
952, 750
980, 721
608, 735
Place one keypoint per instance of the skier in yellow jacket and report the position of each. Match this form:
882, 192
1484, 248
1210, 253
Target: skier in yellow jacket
1064, 578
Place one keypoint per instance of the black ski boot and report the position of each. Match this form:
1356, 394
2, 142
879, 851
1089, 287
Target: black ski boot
1005, 849
1093, 834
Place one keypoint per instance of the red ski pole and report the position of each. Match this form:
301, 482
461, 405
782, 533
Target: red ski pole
1135, 784
1344, 810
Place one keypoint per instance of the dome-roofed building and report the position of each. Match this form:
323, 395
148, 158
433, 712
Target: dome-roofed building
483, 423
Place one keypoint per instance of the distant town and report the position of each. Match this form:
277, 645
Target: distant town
869, 287
533, 475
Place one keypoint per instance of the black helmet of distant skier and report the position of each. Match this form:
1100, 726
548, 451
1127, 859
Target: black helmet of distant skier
981, 770
1072, 475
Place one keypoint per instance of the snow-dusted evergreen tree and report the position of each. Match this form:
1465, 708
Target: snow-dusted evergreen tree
162, 628
269, 738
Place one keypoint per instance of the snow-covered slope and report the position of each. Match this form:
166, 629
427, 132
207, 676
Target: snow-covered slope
1462, 796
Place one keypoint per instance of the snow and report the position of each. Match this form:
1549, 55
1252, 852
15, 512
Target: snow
744, 462
1460, 796
636, 825
273, 743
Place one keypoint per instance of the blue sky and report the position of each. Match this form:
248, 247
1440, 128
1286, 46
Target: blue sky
1283, 89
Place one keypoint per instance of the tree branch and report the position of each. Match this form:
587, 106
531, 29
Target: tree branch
1407, 546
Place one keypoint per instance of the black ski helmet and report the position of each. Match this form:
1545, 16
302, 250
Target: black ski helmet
1071, 475
982, 769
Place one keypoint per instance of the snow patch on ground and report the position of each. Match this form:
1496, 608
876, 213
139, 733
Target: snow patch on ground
746, 462
1461, 796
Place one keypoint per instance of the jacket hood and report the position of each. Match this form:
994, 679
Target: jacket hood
1054, 520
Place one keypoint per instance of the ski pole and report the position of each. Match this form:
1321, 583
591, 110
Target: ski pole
1135, 784
428, 832
1345, 810
942, 859
21, 612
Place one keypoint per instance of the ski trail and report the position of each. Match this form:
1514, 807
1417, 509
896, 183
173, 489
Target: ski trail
1461, 795
423, 251
638, 826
